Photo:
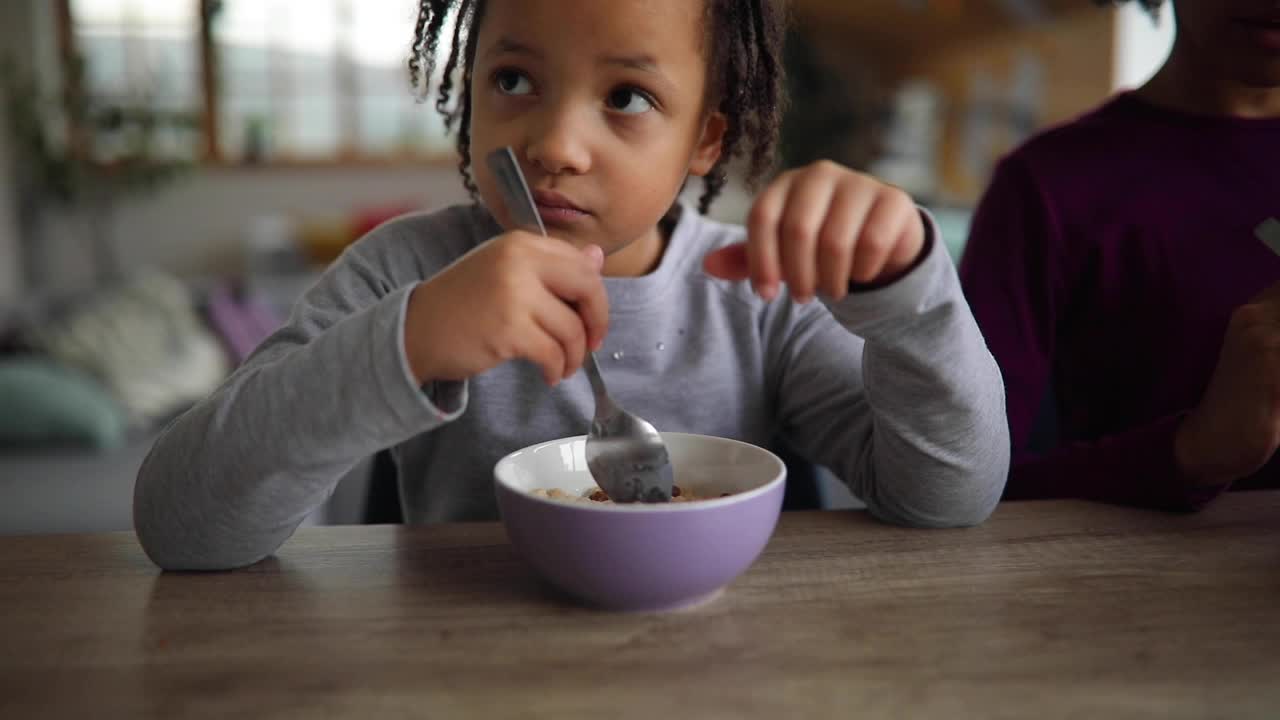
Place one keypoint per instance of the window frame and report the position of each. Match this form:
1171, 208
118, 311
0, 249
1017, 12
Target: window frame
346, 155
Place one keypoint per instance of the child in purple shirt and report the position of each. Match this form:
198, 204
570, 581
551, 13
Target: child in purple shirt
1118, 261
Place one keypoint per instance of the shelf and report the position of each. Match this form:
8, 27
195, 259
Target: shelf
889, 29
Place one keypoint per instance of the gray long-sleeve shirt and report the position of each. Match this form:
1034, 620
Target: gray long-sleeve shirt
893, 389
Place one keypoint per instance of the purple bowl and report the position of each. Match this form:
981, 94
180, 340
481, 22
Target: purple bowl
643, 557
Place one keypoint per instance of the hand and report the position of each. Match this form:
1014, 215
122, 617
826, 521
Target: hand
820, 228
1236, 427
518, 295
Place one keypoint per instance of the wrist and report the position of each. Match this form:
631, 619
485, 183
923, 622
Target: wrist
421, 365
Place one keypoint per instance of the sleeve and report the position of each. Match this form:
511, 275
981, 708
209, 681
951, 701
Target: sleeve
230, 480
1017, 277
895, 390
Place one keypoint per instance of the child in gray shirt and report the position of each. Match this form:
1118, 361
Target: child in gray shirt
454, 339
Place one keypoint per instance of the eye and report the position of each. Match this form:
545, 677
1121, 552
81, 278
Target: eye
512, 82
629, 100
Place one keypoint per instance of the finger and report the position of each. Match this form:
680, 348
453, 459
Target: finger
538, 346
911, 240
729, 263
585, 256
883, 236
848, 212
595, 254
581, 286
565, 326
596, 317
762, 236
1263, 315
1270, 296
801, 221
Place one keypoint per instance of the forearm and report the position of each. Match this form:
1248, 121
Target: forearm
1137, 467
939, 438
229, 481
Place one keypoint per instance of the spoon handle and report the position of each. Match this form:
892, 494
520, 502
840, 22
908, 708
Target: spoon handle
515, 191
597, 382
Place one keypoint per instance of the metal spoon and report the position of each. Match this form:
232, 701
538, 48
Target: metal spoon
625, 454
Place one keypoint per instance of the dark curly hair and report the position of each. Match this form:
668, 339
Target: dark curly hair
745, 83
1151, 6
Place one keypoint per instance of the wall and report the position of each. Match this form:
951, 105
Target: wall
983, 78
1067, 75
10, 260
196, 225
18, 21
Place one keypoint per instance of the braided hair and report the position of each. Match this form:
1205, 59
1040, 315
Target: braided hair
746, 78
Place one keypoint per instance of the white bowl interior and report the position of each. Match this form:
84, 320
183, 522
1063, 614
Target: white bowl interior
707, 466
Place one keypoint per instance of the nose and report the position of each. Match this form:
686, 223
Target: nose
558, 143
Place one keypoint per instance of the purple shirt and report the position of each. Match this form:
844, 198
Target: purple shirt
1104, 263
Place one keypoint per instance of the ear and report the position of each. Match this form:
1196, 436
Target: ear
707, 152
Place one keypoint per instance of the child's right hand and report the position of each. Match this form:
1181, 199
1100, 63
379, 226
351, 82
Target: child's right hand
518, 295
1236, 427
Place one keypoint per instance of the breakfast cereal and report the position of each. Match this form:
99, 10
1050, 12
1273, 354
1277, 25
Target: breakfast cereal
597, 495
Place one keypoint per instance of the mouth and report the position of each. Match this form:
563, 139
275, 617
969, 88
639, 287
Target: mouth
557, 209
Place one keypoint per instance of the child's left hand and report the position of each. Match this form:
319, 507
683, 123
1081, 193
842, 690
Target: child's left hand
821, 227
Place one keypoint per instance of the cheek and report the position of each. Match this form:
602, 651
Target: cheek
661, 150
649, 174
484, 140
492, 129
490, 196
643, 195
481, 122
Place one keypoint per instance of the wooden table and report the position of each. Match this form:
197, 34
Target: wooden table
1052, 609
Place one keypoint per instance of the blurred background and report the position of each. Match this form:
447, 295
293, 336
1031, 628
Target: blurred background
173, 173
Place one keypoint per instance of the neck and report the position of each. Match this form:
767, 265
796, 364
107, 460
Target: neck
639, 257
1188, 83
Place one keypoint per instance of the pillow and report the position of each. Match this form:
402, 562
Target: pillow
44, 403
144, 341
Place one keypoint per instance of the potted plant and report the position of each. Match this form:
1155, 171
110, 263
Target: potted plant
81, 155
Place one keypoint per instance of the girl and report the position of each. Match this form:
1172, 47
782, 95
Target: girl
1119, 261
454, 338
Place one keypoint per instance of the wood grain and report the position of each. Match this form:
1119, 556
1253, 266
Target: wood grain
1051, 609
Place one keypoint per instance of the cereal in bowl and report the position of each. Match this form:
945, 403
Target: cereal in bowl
598, 496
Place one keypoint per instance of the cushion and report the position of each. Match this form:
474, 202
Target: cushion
144, 341
42, 402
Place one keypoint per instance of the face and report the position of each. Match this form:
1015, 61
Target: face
604, 104
1239, 38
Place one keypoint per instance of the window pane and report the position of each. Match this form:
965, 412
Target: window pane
390, 119
319, 78
141, 70
295, 78
154, 16
276, 78
381, 32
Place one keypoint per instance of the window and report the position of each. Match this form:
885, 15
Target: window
141, 76
276, 81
